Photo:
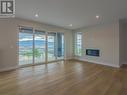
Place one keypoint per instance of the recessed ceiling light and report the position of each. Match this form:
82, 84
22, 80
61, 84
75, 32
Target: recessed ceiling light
36, 15
70, 25
97, 16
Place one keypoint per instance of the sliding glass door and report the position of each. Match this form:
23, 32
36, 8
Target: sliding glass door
51, 42
37, 46
55, 46
25, 46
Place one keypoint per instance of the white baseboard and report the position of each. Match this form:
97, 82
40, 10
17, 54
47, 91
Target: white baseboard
95, 62
8, 69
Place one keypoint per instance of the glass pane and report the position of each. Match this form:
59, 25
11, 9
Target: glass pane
25, 48
60, 46
78, 44
39, 51
51, 39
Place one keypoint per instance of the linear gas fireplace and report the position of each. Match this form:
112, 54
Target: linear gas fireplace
93, 52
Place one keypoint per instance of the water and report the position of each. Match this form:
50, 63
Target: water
38, 43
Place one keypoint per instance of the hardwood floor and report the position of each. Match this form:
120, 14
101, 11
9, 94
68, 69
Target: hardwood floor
65, 78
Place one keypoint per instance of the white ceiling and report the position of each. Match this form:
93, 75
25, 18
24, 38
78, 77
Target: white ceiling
80, 13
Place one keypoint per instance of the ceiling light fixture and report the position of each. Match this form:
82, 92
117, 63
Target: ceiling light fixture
36, 15
70, 25
97, 16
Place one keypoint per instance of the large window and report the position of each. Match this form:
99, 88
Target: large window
36, 47
78, 44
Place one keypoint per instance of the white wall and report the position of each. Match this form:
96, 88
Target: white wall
104, 37
9, 37
123, 42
